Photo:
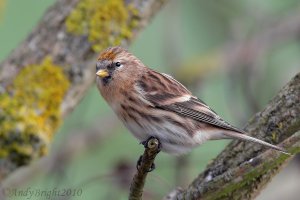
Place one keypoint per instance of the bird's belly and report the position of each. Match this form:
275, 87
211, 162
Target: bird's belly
173, 139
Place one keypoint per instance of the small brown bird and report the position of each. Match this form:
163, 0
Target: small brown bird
153, 104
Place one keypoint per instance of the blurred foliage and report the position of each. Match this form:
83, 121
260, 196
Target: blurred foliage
193, 70
2, 8
185, 40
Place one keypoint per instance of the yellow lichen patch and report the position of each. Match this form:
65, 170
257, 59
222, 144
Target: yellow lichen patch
274, 137
105, 22
30, 111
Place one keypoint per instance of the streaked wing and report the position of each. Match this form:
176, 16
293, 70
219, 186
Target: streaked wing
184, 109
168, 94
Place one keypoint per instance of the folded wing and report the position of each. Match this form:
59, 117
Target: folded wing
168, 94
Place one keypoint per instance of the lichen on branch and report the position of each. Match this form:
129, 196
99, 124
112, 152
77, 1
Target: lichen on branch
105, 22
30, 111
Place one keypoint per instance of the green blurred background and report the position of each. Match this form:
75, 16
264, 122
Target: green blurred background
186, 39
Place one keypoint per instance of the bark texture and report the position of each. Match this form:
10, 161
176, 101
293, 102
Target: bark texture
59, 56
243, 169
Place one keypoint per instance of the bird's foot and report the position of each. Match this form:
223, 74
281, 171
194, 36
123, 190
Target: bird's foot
150, 143
139, 162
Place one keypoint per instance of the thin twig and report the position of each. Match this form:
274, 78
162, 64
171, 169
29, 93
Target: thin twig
152, 148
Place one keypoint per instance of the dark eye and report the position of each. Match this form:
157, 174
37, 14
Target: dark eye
118, 64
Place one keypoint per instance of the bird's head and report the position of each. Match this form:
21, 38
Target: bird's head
116, 64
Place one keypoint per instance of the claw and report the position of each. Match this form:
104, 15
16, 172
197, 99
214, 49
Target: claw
139, 162
152, 168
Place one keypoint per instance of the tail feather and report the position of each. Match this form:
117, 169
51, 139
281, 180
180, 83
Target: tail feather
255, 140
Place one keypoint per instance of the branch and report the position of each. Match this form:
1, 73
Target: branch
48, 74
242, 170
152, 148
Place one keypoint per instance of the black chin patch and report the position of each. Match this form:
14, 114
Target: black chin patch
106, 80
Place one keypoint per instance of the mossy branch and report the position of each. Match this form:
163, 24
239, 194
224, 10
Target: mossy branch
146, 163
65, 43
243, 169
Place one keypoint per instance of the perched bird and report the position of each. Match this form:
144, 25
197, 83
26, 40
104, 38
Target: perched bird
153, 104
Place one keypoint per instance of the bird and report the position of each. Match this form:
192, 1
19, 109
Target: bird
154, 104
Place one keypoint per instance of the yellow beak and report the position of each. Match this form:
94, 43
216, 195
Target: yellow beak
102, 73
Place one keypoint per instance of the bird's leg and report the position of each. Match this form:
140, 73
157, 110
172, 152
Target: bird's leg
148, 144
